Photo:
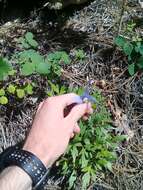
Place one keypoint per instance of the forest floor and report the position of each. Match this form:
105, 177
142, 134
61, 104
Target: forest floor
93, 28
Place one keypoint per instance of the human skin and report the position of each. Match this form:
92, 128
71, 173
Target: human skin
49, 136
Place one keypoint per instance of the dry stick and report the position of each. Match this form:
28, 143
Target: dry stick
124, 2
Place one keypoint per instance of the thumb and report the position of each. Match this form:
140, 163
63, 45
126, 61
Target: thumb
78, 112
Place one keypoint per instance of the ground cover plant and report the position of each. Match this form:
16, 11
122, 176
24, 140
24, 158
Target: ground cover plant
95, 149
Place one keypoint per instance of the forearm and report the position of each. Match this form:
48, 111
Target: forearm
14, 178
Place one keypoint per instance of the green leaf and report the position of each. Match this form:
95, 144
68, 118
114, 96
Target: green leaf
141, 49
120, 41
20, 93
2, 92
120, 138
72, 179
12, 72
58, 57
29, 89
11, 89
28, 69
80, 54
131, 69
29, 38
4, 68
3, 100
43, 68
84, 161
85, 181
23, 43
74, 153
109, 166
140, 62
128, 48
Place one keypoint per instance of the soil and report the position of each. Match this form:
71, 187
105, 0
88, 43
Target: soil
91, 27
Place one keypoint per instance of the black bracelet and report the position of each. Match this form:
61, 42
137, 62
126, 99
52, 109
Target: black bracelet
27, 161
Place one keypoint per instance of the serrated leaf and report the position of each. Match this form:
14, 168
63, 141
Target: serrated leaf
131, 69
2, 92
11, 89
120, 41
3, 100
74, 153
84, 161
29, 89
85, 181
128, 48
72, 179
20, 93
4, 68
43, 68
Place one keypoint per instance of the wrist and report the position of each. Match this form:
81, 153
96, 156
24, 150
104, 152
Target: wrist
45, 158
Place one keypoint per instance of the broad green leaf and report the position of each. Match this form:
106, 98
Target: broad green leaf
20, 93
43, 68
4, 68
3, 100
28, 69
131, 69
29, 89
85, 181
11, 89
2, 92
128, 48
120, 41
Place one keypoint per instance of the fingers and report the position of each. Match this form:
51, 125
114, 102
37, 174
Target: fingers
76, 128
75, 131
68, 99
79, 111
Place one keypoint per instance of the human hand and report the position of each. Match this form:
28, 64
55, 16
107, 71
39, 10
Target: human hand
51, 130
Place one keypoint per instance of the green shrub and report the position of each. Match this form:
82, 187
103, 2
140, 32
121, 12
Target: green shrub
133, 49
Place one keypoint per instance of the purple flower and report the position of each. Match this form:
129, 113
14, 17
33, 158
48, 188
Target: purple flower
86, 95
